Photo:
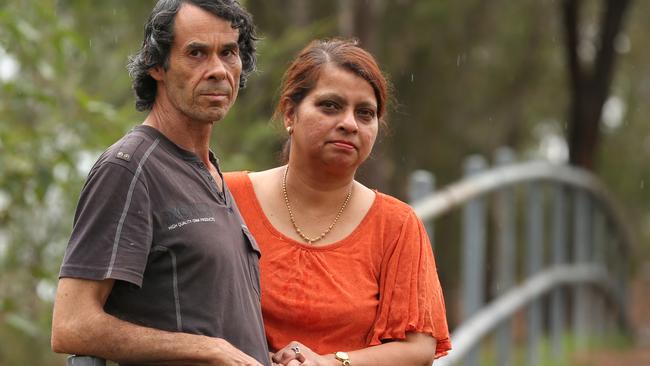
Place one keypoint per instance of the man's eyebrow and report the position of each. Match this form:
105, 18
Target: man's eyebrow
231, 46
195, 45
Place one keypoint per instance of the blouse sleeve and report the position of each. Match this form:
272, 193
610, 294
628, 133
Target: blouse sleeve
410, 297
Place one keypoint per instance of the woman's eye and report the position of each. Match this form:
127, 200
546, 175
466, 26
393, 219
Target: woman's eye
329, 106
366, 114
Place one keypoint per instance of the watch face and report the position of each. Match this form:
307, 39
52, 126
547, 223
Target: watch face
341, 356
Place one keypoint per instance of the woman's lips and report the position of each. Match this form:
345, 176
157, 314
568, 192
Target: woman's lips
344, 145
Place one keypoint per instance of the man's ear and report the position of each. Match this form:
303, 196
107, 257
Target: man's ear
157, 73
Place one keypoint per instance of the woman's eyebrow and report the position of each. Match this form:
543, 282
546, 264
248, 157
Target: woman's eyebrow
333, 96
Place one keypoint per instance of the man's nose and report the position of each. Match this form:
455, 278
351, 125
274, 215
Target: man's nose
216, 68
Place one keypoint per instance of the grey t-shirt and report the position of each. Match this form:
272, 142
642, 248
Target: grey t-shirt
151, 217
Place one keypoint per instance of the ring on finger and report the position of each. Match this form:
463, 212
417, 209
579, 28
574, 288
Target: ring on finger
296, 349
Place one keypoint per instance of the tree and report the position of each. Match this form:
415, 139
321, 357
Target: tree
590, 80
358, 19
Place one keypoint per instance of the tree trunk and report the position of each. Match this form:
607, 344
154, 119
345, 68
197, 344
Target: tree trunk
360, 19
589, 81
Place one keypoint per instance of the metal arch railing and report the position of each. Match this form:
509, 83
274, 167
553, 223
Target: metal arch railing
469, 334
480, 322
453, 196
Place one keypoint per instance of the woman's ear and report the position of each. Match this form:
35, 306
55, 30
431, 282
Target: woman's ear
289, 115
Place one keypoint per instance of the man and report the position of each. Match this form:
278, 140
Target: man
160, 268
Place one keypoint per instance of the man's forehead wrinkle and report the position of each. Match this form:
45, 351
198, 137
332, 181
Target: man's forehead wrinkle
191, 17
201, 43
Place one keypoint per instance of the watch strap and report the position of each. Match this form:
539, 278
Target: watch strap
343, 357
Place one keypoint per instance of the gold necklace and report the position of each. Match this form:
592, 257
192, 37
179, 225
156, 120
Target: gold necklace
293, 220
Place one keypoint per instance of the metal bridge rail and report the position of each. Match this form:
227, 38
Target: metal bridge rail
470, 333
453, 196
579, 261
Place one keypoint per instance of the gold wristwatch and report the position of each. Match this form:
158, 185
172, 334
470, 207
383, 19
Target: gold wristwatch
343, 357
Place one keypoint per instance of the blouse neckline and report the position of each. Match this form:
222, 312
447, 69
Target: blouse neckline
374, 207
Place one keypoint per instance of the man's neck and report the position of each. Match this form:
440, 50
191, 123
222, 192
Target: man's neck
191, 135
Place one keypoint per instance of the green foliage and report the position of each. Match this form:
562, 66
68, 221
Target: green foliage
57, 112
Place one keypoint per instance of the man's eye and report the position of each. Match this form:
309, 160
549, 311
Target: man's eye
229, 52
196, 53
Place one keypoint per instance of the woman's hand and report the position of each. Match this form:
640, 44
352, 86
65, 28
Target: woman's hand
297, 354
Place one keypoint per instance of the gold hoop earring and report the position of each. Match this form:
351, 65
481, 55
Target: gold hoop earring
289, 130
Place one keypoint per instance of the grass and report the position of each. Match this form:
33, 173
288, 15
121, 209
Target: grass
571, 348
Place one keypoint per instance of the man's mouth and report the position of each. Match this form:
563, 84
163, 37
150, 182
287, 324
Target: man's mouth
217, 97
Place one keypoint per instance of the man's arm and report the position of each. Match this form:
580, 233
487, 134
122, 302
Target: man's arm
80, 326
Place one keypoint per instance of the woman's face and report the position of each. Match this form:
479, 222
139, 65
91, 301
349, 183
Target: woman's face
336, 124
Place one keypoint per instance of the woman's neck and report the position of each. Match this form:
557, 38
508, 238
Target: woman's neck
316, 186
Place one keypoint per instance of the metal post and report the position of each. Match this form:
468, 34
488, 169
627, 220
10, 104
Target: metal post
422, 183
621, 265
505, 259
599, 237
580, 250
613, 263
534, 260
473, 254
85, 361
559, 254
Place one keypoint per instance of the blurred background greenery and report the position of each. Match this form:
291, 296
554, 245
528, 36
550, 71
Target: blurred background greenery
469, 76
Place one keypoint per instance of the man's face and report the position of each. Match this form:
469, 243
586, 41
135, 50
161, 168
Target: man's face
202, 77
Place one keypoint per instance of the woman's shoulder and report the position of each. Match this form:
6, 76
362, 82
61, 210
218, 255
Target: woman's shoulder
242, 176
263, 175
391, 217
237, 183
235, 175
394, 207
246, 182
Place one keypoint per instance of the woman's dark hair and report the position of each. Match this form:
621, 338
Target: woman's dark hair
303, 73
159, 35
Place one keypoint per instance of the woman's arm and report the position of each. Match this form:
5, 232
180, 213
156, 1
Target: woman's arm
417, 349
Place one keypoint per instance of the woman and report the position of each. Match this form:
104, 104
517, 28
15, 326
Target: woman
347, 273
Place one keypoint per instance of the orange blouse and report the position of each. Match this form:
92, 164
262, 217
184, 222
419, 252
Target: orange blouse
375, 285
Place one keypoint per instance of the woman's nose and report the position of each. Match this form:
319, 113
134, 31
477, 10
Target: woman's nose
348, 122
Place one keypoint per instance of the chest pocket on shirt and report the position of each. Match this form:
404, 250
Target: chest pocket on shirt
253, 259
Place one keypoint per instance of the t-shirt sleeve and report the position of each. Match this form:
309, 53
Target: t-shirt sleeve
410, 298
112, 230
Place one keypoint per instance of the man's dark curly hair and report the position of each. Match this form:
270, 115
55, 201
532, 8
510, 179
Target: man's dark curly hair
159, 35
